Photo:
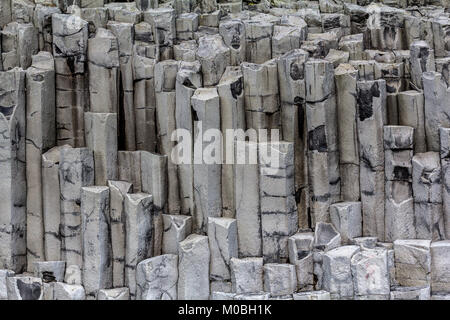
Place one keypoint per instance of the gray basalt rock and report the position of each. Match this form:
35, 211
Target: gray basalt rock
371, 117
440, 275
412, 262
427, 190
246, 275
139, 235
399, 207
176, 229
156, 278
24, 288
4, 274
280, 279
337, 274
114, 294
410, 293
214, 56
76, 170
12, 171
50, 271
193, 268
346, 217
64, 291
95, 233
223, 245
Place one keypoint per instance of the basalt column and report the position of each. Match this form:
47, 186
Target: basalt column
371, 117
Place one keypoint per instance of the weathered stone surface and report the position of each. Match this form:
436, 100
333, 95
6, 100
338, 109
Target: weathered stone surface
117, 192
337, 274
12, 171
246, 275
279, 218
371, 117
139, 235
64, 291
176, 229
258, 42
412, 262
193, 268
436, 96
101, 137
114, 294
399, 207
50, 271
4, 273
326, 237
96, 243
280, 279
410, 293
234, 35
347, 219
76, 170
156, 278
411, 113
444, 139
312, 295
70, 40
207, 171
40, 136
427, 190
370, 274
73, 274
440, 274
345, 79
232, 117
223, 245
248, 214
24, 288
163, 20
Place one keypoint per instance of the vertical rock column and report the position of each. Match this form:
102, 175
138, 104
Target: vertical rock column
165, 78
51, 204
232, 116
103, 64
437, 114
279, 218
444, 138
13, 247
193, 268
70, 36
261, 95
214, 56
427, 189
411, 113
233, 34
101, 137
371, 117
258, 41
291, 79
42, 20
76, 170
399, 207
138, 240
163, 22
127, 123
421, 60
323, 159
144, 103
246, 188
154, 182
117, 192
96, 237
207, 170
346, 77
40, 136
187, 81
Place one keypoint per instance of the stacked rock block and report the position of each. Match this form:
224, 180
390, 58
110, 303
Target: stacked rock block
98, 202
